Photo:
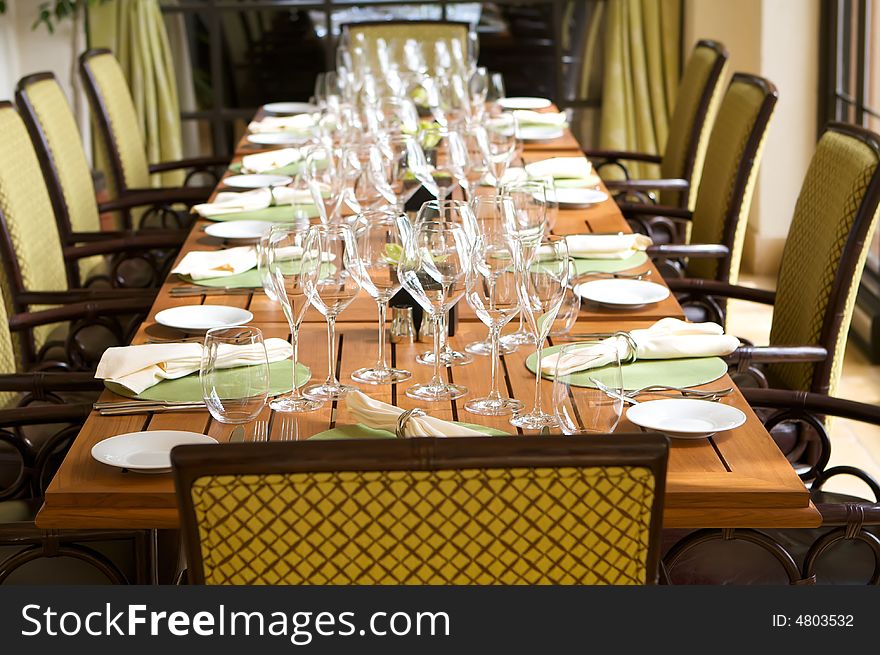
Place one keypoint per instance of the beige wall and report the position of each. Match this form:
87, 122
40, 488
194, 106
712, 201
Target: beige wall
778, 39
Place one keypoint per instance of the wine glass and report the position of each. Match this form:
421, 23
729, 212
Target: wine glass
478, 86
447, 157
585, 410
434, 270
328, 270
379, 249
393, 115
263, 246
551, 202
474, 137
285, 250
364, 172
496, 91
499, 143
238, 394
493, 295
323, 179
542, 269
408, 168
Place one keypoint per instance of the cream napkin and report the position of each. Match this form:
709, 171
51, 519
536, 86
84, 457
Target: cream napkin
561, 168
606, 246
262, 162
230, 202
206, 264
548, 118
138, 368
382, 416
298, 123
668, 338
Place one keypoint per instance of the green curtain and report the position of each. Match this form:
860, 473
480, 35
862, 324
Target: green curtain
134, 30
640, 77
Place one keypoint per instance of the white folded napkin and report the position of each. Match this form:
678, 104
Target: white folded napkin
549, 118
262, 162
230, 202
606, 246
382, 416
668, 338
298, 123
206, 264
560, 168
138, 368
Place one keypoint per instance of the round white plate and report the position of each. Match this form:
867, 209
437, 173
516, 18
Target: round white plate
540, 132
524, 102
145, 452
290, 108
238, 230
622, 293
199, 318
573, 197
685, 418
256, 181
277, 138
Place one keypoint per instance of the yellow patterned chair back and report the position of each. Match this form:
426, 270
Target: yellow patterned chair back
118, 132
396, 33
696, 102
729, 174
560, 510
30, 247
834, 219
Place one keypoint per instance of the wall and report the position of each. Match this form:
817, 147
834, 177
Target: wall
778, 39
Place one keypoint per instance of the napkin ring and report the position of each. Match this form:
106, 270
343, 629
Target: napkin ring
633, 346
404, 418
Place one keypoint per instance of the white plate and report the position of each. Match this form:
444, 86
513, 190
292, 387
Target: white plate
622, 293
277, 138
570, 197
256, 181
199, 318
540, 132
145, 452
524, 103
238, 230
290, 108
685, 418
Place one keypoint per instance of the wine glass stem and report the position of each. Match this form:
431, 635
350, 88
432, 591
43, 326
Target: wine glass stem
331, 351
381, 364
437, 381
494, 337
294, 341
539, 409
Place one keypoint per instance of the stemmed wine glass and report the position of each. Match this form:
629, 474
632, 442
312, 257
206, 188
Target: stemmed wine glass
408, 166
329, 265
284, 264
379, 249
447, 157
434, 270
499, 144
364, 174
234, 395
493, 295
496, 91
542, 269
324, 181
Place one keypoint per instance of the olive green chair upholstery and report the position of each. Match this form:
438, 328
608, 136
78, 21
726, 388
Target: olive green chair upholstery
834, 218
558, 510
120, 141
395, 33
681, 164
56, 139
39, 299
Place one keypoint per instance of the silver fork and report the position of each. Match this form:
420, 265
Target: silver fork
620, 276
261, 430
662, 390
287, 430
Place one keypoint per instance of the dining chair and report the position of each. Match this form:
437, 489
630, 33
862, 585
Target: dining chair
368, 33
822, 262
718, 223
58, 144
519, 510
844, 549
681, 164
40, 300
120, 138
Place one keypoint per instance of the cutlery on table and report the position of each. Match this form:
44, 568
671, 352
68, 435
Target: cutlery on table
260, 431
662, 390
209, 291
237, 435
640, 275
119, 408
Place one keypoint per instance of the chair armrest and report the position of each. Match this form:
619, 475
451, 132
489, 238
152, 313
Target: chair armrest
723, 289
146, 197
193, 162
745, 355
672, 184
812, 402
43, 414
39, 381
81, 310
143, 241
83, 295
104, 235
668, 211
623, 154
692, 250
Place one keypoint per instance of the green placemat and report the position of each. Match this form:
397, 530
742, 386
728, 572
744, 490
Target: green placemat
280, 214
689, 372
361, 431
609, 265
247, 280
290, 169
189, 388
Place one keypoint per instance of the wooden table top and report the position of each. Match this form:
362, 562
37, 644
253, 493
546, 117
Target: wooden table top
735, 479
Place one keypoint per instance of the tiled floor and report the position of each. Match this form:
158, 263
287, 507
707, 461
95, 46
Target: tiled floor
853, 443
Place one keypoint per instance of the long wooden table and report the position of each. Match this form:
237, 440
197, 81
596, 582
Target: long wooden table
734, 479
